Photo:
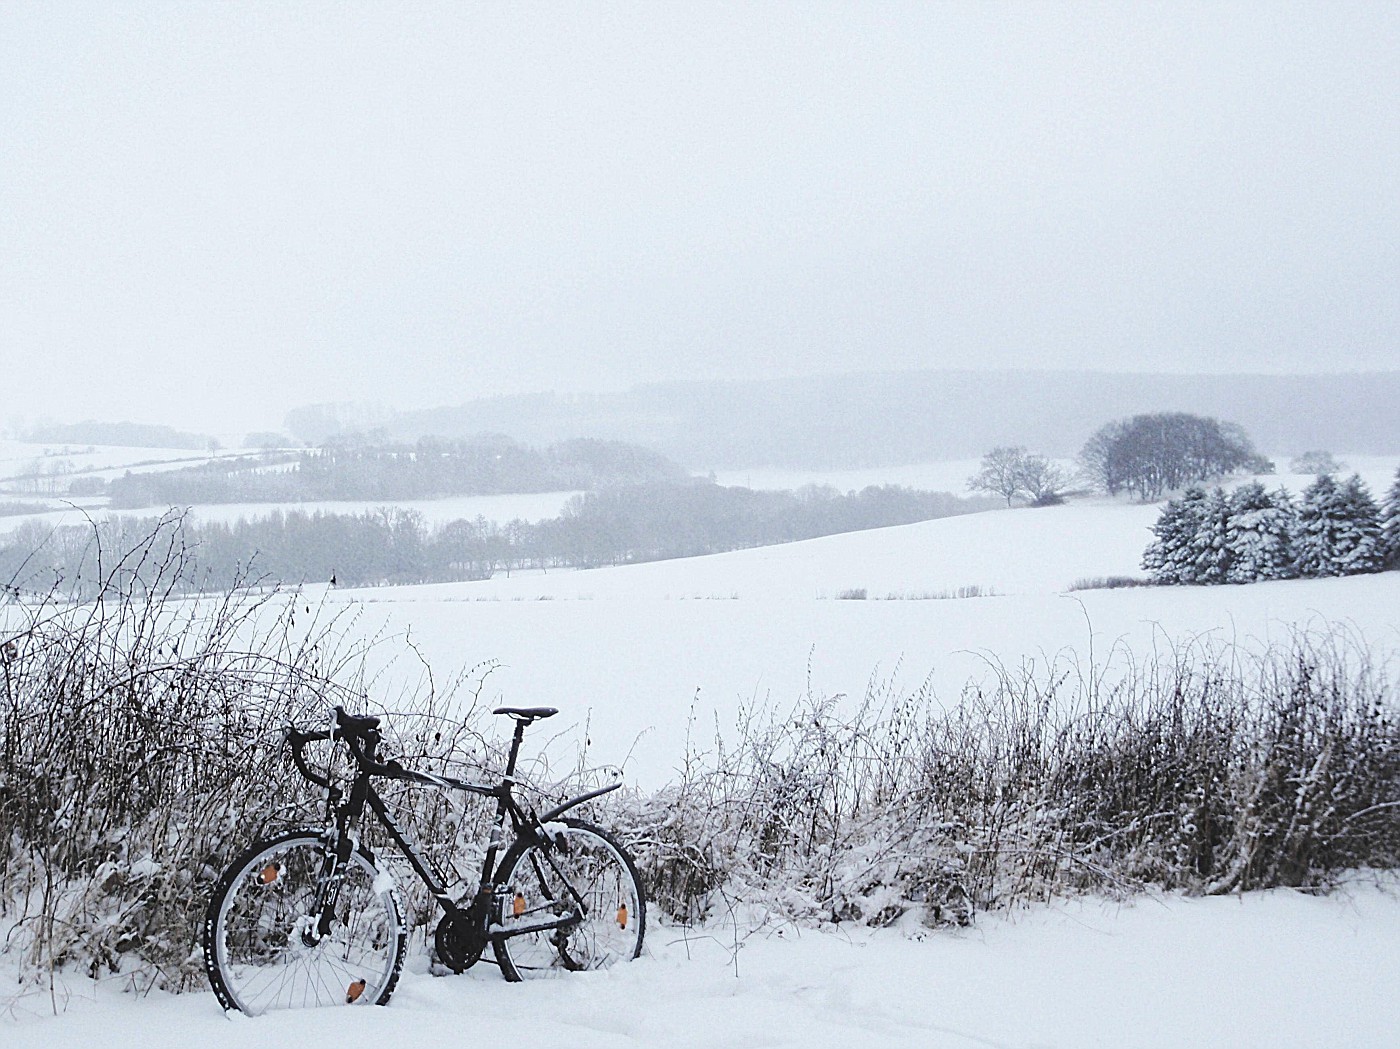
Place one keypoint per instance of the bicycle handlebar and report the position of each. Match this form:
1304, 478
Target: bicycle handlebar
298, 740
361, 735
355, 741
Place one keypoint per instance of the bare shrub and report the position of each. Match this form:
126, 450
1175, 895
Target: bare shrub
1204, 769
1108, 582
141, 746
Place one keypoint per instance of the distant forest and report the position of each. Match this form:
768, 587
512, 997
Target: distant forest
121, 434
878, 419
617, 525
427, 469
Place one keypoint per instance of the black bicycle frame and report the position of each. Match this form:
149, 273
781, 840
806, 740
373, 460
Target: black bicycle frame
362, 746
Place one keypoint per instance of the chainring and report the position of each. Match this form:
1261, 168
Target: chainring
458, 941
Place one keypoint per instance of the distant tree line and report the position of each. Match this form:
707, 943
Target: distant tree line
898, 417
430, 468
124, 434
394, 546
1149, 455
1251, 534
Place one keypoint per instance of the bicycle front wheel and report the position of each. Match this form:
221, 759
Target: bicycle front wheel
262, 946
582, 875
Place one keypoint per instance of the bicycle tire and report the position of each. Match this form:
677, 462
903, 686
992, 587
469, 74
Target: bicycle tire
600, 871
254, 952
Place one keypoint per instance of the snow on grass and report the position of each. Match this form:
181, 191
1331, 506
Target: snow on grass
639, 669
644, 654
532, 507
1019, 551
528, 506
642, 650
21, 458
1268, 970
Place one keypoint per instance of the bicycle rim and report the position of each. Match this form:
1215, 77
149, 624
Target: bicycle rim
548, 882
256, 952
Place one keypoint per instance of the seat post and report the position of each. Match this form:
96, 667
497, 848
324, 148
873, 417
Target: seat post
515, 747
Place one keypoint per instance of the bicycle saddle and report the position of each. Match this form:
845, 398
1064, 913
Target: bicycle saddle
353, 723
527, 713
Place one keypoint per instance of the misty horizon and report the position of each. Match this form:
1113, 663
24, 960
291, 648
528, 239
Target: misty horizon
213, 214
179, 418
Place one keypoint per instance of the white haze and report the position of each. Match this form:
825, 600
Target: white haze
211, 213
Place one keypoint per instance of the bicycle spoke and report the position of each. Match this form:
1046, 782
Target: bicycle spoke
587, 878
257, 953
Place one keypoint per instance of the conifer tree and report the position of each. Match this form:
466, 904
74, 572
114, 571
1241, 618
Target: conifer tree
1390, 525
1360, 540
1210, 546
1338, 530
1169, 557
1260, 531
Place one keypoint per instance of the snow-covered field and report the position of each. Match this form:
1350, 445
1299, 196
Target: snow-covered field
21, 458
532, 507
638, 653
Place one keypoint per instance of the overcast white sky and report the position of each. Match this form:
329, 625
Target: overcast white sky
210, 213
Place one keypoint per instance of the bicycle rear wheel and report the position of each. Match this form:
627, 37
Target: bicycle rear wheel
260, 947
582, 869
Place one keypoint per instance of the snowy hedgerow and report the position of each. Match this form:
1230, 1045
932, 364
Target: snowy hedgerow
1169, 557
1390, 525
1338, 529
1260, 534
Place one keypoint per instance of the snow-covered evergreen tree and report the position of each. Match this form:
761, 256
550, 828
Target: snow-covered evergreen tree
1210, 546
1360, 549
1169, 557
1390, 525
1338, 529
1260, 532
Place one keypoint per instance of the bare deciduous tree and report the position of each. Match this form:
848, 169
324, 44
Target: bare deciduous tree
1043, 482
1000, 472
1152, 454
1010, 472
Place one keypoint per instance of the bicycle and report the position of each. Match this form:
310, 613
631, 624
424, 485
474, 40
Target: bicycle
307, 917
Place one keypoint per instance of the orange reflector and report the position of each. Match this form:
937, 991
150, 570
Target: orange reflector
268, 874
517, 905
622, 916
353, 992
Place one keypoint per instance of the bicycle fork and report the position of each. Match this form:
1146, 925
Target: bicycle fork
318, 924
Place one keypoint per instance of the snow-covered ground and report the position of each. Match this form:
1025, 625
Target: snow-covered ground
640, 653
1268, 970
21, 458
529, 506
532, 507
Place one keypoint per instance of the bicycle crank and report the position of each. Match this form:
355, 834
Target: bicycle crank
459, 941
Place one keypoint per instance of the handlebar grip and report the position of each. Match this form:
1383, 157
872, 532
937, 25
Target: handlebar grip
298, 741
364, 755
